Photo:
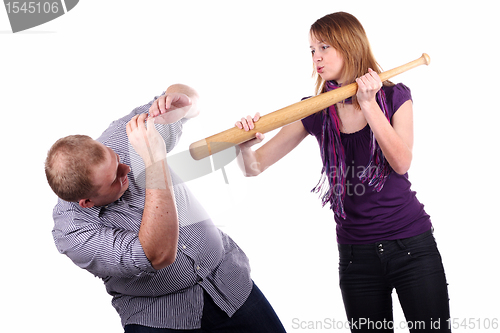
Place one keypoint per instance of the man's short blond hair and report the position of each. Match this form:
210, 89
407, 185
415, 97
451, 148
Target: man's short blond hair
68, 167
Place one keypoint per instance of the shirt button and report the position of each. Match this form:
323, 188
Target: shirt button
198, 267
184, 247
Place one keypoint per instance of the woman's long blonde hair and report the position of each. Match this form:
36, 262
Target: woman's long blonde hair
345, 33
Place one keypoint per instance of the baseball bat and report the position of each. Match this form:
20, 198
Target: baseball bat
235, 136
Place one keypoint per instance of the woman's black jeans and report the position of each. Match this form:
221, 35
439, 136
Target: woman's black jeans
412, 266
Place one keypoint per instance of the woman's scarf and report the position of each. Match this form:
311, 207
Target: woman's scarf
333, 156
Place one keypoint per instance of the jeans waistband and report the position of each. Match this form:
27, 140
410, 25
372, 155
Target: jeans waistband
350, 247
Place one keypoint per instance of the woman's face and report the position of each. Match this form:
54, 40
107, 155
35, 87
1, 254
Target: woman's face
327, 61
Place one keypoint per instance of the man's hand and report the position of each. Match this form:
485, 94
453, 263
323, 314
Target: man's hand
147, 142
169, 108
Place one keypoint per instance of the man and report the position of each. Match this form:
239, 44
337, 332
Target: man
125, 216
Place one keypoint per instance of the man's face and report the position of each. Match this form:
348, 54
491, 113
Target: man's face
110, 177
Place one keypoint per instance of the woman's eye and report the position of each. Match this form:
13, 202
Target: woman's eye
324, 47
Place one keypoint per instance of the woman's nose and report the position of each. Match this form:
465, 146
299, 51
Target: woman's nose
316, 57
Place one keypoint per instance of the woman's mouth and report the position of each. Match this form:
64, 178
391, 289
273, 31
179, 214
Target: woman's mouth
320, 69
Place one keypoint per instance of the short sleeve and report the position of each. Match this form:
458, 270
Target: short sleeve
313, 123
101, 250
396, 96
171, 133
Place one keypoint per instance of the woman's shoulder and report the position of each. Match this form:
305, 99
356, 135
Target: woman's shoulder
396, 95
398, 90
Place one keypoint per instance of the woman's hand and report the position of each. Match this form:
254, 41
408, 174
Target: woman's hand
368, 86
248, 124
253, 163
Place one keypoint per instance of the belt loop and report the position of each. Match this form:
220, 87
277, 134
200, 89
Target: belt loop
401, 244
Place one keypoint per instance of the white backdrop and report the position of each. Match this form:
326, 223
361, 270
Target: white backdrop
81, 71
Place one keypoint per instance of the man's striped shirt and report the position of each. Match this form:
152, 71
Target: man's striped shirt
104, 240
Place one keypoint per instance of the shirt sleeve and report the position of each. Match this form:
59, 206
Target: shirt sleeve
103, 251
397, 95
171, 133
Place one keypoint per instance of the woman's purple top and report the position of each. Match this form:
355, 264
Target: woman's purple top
392, 213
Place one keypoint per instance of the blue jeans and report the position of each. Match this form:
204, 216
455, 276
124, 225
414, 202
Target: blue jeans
412, 266
256, 315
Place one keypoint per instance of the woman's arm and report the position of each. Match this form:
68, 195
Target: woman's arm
251, 162
396, 140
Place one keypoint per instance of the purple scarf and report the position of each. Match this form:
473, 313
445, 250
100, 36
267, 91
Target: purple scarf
333, 156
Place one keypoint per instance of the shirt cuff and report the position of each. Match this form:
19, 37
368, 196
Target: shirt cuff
140, 260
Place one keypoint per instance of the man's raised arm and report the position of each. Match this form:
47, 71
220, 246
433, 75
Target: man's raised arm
179, 101
159, 231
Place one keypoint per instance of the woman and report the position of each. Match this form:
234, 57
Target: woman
384, 235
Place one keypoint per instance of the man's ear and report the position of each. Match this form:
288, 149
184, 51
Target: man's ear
86, 203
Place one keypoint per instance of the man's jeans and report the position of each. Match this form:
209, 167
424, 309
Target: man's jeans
256, 315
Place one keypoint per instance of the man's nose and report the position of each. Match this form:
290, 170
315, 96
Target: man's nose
125, 170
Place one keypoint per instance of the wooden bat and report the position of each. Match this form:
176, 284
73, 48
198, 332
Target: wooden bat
235, 136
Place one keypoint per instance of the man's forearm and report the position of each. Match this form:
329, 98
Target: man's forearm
159, 229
